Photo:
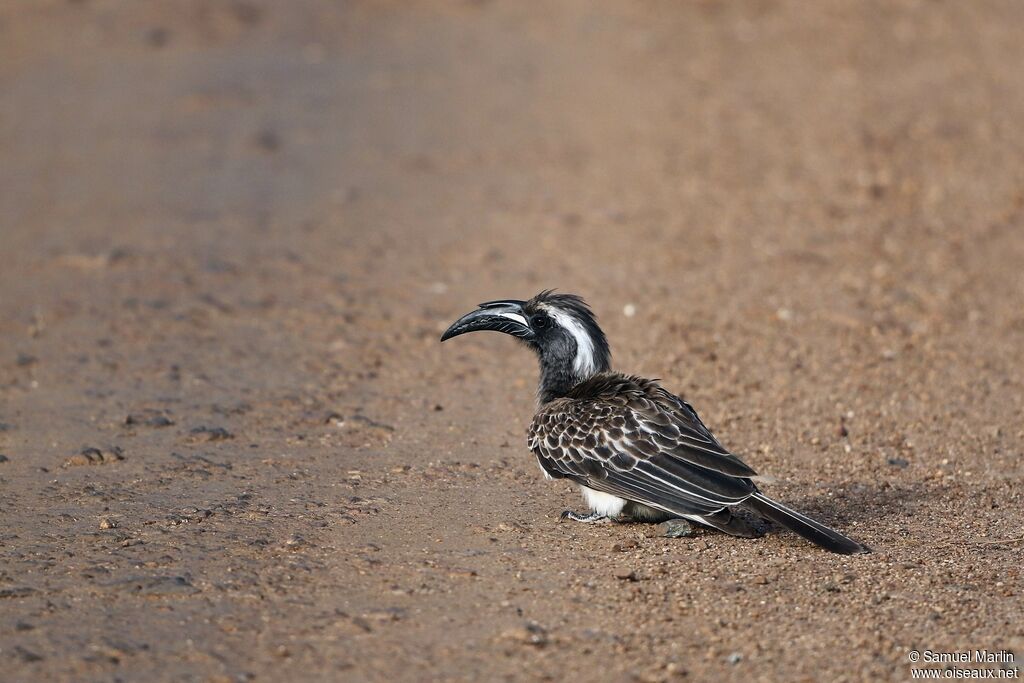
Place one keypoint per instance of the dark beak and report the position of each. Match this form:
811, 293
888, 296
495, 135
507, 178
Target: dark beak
500, 316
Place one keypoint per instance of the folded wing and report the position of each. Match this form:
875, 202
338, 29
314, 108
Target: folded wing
631, 438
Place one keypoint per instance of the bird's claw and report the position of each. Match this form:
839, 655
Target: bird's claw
592, 518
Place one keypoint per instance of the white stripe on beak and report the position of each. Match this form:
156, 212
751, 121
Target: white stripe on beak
515, 316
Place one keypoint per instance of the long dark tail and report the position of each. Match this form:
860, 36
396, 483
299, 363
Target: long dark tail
815, 532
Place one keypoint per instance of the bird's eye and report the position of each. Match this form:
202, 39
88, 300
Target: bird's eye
539, 321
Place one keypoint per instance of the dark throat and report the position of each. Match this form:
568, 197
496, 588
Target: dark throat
556, 379
557, 374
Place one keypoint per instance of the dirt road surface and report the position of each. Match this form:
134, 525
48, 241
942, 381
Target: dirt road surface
233, 448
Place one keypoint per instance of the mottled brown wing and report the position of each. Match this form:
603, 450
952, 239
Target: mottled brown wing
634, 443
695, 441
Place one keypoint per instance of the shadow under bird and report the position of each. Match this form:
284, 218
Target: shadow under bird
637, 451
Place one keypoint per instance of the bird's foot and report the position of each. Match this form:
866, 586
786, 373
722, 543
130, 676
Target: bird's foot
592, 518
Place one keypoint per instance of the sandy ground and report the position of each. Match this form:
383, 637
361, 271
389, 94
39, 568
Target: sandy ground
232, 233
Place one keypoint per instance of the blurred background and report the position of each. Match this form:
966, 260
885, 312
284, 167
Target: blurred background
231, 232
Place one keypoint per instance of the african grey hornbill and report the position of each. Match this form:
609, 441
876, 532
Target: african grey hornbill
637, 451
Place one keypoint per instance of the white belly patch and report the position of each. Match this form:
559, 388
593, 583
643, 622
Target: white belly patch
603, 503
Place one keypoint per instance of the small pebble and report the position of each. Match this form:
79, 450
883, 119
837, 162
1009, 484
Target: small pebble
205, 433
530, 634
27, 656
268, 140
149, 418
25, 360
158, 36
95, 456
675, 528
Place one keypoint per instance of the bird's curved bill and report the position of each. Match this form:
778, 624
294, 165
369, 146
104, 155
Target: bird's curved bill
498, 316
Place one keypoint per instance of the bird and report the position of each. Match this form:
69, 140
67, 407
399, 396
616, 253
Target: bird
638, 452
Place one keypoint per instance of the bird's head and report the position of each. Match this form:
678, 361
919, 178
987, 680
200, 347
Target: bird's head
560, 328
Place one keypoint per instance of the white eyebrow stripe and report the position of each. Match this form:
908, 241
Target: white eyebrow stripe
583, 364
515, 316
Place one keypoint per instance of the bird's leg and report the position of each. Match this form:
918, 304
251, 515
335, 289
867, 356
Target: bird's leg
577, 517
